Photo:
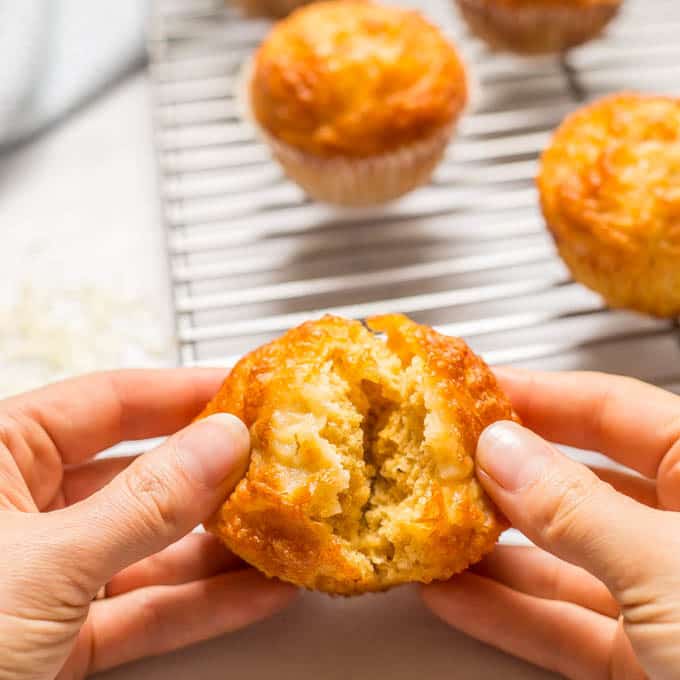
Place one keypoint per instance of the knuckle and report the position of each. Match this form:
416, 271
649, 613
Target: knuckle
150, 617
601, 410
568, 501
150, 491
5, 431
553, 581
668, 477
14, 426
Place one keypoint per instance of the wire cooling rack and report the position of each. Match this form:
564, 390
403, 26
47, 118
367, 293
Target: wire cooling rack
250, 255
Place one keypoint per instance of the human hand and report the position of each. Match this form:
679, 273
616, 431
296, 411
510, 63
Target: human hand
606, 603
70, 525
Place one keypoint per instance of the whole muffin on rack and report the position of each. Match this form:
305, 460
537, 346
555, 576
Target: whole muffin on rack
610, 191
537, 26
362, 468
357, 100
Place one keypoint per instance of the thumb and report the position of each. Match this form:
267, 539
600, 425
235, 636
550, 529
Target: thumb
563, 507
155, 501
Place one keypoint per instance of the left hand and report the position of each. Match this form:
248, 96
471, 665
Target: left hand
70, 525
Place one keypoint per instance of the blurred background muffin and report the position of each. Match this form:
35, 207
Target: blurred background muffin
357, 100
610, 192
537, 26
275, 9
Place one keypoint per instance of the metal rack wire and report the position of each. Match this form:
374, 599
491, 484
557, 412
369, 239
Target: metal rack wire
250, 255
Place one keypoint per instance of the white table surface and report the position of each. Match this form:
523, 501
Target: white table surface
84, 284
84, 287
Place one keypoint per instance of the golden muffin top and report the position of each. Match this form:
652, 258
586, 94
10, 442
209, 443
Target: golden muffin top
355, 79
362, 468
613, 169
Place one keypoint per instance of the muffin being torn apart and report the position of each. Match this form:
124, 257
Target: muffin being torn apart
362, 467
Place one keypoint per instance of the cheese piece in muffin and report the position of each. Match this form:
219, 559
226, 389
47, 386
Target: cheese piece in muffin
610, 191
537, 26
356, 99
362, 468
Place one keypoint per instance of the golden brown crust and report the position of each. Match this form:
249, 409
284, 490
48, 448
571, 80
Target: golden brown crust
537, 26
356, 79
408, 507
610, 193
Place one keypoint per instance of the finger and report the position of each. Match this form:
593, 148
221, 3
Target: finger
638, 488
194, 557
599, 412
155, 501
536, 572
533, 629
79, 417
155, 620
81, 481
625, 663
564, 508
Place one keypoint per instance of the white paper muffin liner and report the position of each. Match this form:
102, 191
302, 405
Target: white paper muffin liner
536, 30
362, 181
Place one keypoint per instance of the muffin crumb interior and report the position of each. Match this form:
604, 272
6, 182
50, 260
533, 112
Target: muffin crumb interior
368, 459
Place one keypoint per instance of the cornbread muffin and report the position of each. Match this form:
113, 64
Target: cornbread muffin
537, 26
362, 473
610, 192
357, 100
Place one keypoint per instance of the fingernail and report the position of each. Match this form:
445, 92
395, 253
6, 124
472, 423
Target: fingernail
215, 449
512, 456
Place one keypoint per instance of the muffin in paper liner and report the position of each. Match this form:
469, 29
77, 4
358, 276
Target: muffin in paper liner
395, 138
274, 9
357, 182
534, 27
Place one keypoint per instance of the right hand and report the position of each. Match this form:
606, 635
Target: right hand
600, 597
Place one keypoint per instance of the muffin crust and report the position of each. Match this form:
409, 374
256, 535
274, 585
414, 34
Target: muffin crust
362, 467
610, 193
537, 26
355, 79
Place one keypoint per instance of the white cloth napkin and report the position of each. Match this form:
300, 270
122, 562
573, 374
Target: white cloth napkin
55, 54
